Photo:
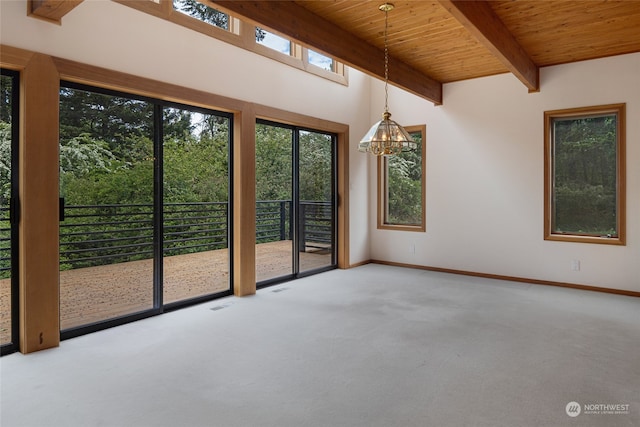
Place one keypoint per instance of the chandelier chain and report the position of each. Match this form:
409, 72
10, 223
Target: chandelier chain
386, 137
386, 60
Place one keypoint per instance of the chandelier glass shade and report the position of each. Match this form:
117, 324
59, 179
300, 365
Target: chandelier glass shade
386, 137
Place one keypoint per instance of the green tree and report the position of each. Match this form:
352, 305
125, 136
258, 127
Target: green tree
6, 98
196, 169
91, 175
404, 181
209, 15
177, 123
6, 114
315, 166
120, 122
5, 163
83, 155
273, 162
585, 174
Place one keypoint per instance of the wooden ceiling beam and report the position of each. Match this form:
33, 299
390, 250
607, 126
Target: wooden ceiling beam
51, 10
312, 30
481, 21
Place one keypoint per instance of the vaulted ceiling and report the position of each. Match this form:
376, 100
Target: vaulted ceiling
436, 42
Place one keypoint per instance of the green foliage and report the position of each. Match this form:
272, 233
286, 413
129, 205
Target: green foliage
6, 105
208, 14
404, 180
177, 123
122, 123
83, 155
273, 162
274, 169
196, 169
274, 153
5, 162
203, 12
585, 175
107, 164
315, 166
126, 185
585, 209
5, 194
91, 175
6, 98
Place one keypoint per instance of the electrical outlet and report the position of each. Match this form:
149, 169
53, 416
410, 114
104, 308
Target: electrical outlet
575, 265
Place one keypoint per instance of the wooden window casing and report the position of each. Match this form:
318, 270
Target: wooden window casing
383, 189
551, 229
241, 34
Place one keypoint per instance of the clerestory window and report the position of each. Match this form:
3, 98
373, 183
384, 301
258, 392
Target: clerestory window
203, 17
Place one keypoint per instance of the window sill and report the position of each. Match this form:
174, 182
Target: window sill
399, 227
576, 238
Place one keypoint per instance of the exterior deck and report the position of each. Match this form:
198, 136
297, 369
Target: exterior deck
93, 294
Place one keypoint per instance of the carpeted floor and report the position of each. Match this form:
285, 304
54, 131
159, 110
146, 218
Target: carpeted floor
369, 346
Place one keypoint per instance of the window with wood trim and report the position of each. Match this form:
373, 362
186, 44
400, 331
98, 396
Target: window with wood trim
203, 17
323, 61
401, 187
275, 42
204, 13
585, 174
146, 187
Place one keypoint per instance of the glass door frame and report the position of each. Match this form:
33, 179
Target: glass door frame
166, 307
334, 201
14, 213
295, 141
158, 236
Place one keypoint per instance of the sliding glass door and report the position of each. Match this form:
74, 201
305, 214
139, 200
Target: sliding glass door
274, 197
295, 202
144, 207
316, 207
107, 206
9, 89
196, 208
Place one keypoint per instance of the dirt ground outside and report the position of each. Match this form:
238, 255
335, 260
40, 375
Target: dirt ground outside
93, 294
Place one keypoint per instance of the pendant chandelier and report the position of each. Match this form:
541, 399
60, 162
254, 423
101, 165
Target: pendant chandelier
386, 137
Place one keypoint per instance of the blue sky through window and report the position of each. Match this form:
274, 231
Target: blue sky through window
276, 43
320, 60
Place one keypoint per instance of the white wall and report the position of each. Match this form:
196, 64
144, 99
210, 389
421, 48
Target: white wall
113, 36
485, 183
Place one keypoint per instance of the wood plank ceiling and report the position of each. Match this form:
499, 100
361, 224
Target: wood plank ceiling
436, 42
